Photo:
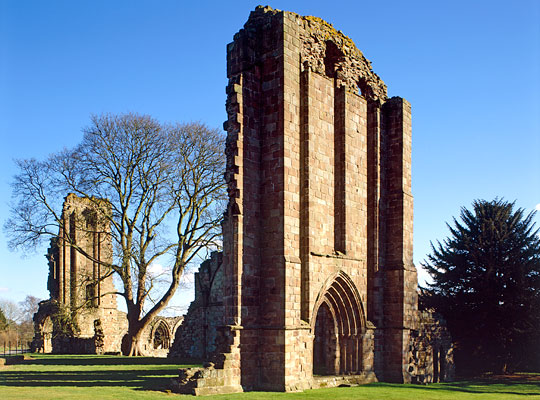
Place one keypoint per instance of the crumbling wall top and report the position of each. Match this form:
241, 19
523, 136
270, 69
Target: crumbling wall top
328, 51
95, 210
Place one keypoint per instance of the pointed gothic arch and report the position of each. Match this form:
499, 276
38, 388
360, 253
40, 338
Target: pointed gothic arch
161, 336
338, 323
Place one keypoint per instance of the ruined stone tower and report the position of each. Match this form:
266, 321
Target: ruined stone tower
77, 276
81, 283
318, 277
320, 214
81, 315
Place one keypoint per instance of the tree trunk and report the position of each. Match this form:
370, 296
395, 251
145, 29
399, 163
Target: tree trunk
134, 345
133, 342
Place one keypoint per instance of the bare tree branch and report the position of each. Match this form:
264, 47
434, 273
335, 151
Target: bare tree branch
153, 176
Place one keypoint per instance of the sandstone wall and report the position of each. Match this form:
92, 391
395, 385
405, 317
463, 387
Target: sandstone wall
196, 337
432, 355
317, 263
320, 208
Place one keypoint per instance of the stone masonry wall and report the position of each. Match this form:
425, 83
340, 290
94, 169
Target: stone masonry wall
80, 280
82, 289
196, 337
318, 228
432, 356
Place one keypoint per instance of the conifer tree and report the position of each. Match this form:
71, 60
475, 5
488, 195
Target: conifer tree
486, 283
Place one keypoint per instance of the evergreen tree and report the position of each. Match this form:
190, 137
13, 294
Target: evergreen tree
486, 283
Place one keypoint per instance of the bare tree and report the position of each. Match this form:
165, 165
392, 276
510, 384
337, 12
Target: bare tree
164, 186
29, 307
11, 311
15, 327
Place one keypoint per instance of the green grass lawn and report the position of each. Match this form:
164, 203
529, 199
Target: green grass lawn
112, 377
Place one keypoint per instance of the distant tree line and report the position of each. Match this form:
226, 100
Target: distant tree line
16, 324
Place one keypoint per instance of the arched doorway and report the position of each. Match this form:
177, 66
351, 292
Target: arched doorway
339, 322
162, 338
325, 355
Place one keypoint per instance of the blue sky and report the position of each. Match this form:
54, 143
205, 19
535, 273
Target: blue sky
470, 69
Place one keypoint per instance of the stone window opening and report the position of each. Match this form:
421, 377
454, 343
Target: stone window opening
332, 57
438, 364
161, 336
362, 88
442, 366
90, 219
91, 298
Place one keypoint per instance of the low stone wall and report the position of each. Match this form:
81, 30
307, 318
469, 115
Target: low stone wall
342, 380
64, 344
204, 381
209, 380
96, 331
156, 344
432, 356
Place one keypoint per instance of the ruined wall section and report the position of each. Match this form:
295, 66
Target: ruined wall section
79, 256
318, 175
344, 61
337, 88
299, 95
255, 69
197, 336
334, 192
298, 132
80, 279
432, 352
398, 314
158, 336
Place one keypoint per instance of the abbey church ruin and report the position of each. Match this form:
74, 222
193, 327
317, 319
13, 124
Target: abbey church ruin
317, 278
316, 284
81, 315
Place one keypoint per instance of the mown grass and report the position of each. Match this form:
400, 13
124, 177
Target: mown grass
112, 377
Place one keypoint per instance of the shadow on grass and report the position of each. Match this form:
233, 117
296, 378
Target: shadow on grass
139, 373
154, 374
137, 379
478, 387
111, 360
